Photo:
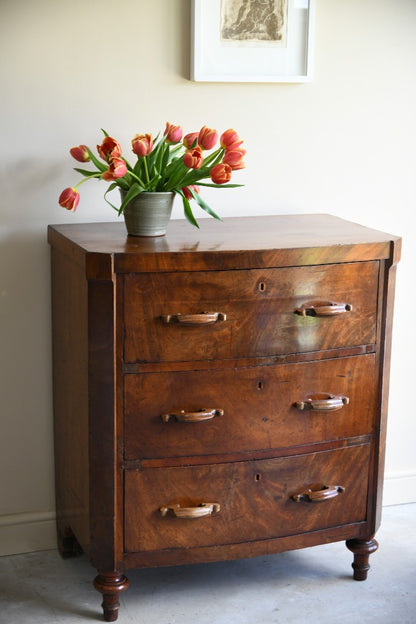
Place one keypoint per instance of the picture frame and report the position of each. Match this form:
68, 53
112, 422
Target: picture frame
252, 40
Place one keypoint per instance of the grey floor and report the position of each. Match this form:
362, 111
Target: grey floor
305, 586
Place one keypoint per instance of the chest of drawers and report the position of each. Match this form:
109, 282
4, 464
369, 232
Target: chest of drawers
219, 393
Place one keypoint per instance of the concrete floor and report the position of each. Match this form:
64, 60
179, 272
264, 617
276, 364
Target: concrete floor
297, 587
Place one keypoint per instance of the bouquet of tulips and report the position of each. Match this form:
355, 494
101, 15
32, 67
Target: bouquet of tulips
170, 163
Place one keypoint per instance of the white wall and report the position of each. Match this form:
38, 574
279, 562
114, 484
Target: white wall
343, 144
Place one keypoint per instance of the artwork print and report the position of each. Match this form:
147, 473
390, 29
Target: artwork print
254, 22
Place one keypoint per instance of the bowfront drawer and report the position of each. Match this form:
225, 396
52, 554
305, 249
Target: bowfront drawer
189, 316
245, 501
226, 410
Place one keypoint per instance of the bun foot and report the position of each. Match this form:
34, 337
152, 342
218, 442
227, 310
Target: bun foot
110, 585
362, 550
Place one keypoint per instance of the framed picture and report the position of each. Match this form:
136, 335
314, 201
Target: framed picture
252, 40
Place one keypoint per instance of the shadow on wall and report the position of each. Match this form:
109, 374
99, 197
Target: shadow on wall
25, 370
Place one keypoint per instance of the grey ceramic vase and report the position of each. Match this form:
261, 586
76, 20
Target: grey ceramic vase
148, 214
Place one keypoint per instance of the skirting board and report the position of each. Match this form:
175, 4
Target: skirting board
32, 531
27, 532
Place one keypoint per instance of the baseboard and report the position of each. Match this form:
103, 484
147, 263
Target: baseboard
32, 531
27, 532
399, 488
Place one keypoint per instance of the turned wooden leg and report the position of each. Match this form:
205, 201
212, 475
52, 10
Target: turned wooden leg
110, 585
362, 550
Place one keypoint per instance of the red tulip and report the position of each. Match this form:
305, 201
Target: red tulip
173, 133
142, 144
207, 138
230, 139
193, 158
117, 169
234, 158
186, 190
190, 139
69, 199
221, 173
80, 153
109, 148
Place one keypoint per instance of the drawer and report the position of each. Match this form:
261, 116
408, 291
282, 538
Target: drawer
253, 313
239, 409
247, 501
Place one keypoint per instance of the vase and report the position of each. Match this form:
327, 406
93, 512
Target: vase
148, 213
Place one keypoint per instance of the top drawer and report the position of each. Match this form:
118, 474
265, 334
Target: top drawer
252, 313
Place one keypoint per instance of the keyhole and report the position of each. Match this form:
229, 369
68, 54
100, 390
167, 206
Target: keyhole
257, 477
262, 287
260, 385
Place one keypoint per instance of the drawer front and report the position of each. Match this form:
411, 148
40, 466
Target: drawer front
254, 313
240, 409
249, 500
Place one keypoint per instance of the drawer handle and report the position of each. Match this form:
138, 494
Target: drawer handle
323, 403
191, 417
200, 511
204, 318
319, 493
323, 308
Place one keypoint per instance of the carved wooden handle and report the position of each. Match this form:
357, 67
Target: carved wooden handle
323, 308
323, 402
203, 318
192, 417
200, 511
319, 493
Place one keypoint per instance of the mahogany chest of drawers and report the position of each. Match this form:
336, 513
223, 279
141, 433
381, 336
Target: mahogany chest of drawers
219, 393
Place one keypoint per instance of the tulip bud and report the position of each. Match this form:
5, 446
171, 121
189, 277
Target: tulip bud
173, 133
207, 138
230, 139
142, 144
221, 173
234, 158
186, 190
193, 158
109, 148
69, 199
80, 153
190, 140
117, 169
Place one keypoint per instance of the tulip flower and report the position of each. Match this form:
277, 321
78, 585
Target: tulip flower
69, 199
230, 140
80, 153
117, 169
234, 158
190, 139
221, 173
173, 133
193, 158
169, 163
142, 144
207, 138
109, 148
186, 190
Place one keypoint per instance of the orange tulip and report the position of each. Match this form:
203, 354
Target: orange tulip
109, 148
221, 173
142, 144
207, 138
69, 199
80, 153
117, 169
234, 158
186, 190
193, 158
173, 133
189, 139
230, 139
